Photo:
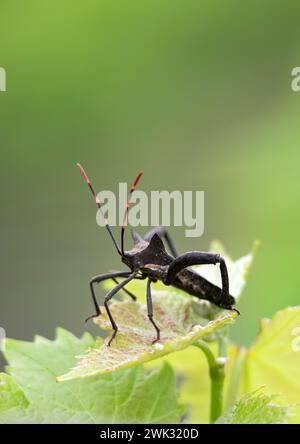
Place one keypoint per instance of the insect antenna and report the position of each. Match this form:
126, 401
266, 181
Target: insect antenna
127, 209
98, 203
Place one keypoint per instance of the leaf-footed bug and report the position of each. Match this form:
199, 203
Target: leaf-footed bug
148, 259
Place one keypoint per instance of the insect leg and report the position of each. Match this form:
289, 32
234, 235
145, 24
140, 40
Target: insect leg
163, 232
97, 280
133, 297
196, 258
150, 311
109, 296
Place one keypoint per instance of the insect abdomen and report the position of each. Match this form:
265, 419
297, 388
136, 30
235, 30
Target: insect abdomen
198, 286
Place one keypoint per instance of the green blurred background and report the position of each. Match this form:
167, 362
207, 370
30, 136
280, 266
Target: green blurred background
195, 93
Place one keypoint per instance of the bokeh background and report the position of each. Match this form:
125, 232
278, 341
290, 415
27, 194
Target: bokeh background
195, 93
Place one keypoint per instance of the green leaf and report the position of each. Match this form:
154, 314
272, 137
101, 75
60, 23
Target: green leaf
13, 402
274, 359
31, 393
192, 372
237, 270
190, 364
256, 408
133, 343
193, 378
11, 395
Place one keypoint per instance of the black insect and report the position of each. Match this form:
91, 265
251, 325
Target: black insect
148, 259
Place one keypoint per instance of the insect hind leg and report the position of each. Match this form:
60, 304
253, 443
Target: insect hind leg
224, 300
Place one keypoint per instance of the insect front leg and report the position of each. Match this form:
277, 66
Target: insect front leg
109, 296
133, 297
150, 311
97, 280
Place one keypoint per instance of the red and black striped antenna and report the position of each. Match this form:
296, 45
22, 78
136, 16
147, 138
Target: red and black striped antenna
98, 203
127, 209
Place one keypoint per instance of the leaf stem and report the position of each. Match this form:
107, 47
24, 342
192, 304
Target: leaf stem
222, 343
235, 377
217, 376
